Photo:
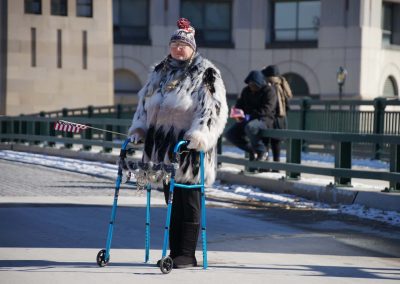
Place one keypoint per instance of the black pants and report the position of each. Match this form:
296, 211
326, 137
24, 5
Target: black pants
186, 209
275, 147
186, 204
237, 136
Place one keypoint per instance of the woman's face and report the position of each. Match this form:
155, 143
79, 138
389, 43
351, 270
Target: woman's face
180, 50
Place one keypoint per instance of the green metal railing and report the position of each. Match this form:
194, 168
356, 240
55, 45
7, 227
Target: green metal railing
35, 130
370, 127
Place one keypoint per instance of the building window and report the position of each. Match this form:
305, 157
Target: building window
33, 7
59, 49
390, 23
84, 50
59, 7
297, 84
84, 8
212, 20
126, 87
33, 47
131, 21
390, 88
295, 20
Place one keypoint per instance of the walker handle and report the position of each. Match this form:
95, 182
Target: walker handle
179, 144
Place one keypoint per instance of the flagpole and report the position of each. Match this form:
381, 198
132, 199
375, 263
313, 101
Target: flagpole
87, 126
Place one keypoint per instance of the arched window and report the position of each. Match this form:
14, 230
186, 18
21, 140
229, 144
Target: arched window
126, 86
390, 88
297, 84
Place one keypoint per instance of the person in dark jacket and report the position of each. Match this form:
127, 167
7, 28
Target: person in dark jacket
283, 93
258, 103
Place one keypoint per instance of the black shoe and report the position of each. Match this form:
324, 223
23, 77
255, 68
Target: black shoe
252, 156
252, 170
184, 261
261, 156
264, 170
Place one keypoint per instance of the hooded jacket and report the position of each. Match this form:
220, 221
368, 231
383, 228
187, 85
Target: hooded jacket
261, 104
180, 100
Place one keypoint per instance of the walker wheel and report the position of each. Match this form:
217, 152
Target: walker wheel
166, 265
101, 258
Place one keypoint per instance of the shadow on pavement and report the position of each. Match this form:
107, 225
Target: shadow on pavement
318, 270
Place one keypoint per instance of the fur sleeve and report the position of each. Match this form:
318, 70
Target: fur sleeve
211, 111
140, 117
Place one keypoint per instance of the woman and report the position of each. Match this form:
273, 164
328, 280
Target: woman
183, 99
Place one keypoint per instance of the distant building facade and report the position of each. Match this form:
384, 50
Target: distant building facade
75, 53
309, 40
55, 54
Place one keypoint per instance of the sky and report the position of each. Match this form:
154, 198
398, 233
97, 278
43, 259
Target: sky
231, 191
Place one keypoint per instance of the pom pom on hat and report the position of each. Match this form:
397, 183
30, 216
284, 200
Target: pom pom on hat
184, 33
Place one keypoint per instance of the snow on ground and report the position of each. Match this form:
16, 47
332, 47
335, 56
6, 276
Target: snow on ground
224, 191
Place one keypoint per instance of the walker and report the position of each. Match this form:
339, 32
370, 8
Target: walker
144, 173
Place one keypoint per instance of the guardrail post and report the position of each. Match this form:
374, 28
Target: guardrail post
304, 108
379, 116
87, 133
39, 127
293, 155
343, 160
66, 134
119, 116
24, 127
108, 137
3, 129
394, 165
51, 132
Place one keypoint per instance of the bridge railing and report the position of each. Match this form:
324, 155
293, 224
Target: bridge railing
40, 130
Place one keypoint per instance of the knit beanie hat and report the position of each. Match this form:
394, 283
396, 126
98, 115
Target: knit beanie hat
256, 77
184, 33
270, 71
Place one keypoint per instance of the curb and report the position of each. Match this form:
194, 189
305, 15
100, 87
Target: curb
324, 194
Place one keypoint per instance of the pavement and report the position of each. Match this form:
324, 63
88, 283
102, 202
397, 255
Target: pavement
54, 222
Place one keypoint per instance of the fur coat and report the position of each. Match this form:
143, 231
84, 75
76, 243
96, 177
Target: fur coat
182, 100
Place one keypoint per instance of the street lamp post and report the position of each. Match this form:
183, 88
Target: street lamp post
343, 154
341, 79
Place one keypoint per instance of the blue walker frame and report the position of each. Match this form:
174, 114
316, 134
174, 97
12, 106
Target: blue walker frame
166, 264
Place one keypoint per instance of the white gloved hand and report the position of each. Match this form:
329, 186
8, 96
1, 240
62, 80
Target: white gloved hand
196, 141
193, 144
137, 135
136, 138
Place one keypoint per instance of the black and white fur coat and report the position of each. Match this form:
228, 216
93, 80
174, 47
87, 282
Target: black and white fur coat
194, 109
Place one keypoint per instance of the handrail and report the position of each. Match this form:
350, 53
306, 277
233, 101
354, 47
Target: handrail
41, 129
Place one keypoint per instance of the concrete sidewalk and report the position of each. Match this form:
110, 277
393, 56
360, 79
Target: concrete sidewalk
364, 192
55, 222
60, 265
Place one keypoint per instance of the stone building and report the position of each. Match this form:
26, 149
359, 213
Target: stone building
309, 40
55, 54
75, 53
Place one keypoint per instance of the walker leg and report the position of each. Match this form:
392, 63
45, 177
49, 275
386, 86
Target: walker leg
166, 263
203, 212
103, 257
147, 241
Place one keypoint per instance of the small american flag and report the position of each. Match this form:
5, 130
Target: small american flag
237, 113
67, 126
